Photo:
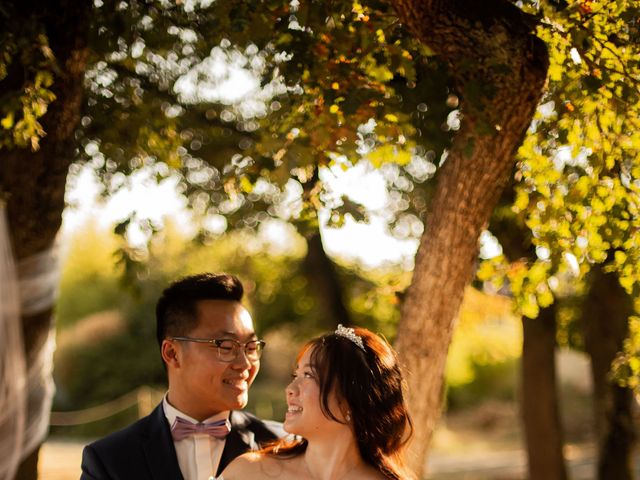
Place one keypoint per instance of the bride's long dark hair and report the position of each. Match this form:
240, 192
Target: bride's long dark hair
371, 383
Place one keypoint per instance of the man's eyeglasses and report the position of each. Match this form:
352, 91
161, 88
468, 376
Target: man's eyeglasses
229, 349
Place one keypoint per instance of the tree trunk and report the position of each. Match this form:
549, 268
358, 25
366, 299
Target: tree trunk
500, 71
324, 283
615, 452
319, 268
539, 399
605, 318
539, 403
33, 183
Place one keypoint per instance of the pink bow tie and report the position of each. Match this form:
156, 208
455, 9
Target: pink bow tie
182, 428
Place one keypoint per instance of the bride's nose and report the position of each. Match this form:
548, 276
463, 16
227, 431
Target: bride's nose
289, 389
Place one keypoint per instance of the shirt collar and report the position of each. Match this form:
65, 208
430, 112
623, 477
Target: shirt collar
172, 412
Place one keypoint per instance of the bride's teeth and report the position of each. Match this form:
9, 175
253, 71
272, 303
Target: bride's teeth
294, 409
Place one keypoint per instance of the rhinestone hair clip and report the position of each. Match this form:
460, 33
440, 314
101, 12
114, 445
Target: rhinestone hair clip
350, 334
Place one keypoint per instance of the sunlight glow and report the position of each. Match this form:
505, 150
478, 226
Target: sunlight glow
368, 244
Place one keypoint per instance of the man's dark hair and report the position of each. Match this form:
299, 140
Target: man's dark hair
176, 311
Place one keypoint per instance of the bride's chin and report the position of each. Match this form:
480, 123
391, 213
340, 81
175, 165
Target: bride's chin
289, 428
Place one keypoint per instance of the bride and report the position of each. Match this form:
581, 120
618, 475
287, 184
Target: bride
346, 405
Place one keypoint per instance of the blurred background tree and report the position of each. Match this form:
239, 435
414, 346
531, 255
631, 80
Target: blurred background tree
568, 226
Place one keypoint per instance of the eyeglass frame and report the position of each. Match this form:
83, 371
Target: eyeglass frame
216, 343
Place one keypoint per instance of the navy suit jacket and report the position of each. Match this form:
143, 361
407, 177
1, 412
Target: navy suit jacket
145, 451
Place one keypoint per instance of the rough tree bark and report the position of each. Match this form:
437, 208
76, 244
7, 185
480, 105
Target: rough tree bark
499, 69
32, 183
605, 316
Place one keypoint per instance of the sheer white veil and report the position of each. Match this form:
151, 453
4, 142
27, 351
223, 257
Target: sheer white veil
26, 393
13, 371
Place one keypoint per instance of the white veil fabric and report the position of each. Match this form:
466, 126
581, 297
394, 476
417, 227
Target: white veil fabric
26, 387
13, 370
38, 278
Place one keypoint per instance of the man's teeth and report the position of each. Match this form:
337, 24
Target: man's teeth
294, 409
237, 383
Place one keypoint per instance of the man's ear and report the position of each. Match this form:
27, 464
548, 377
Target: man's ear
170, 353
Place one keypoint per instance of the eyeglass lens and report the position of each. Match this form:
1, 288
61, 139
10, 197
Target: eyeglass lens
228, 350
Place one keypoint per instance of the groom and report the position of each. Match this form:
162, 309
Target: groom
212, 355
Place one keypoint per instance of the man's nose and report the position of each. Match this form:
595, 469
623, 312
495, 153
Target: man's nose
242, 360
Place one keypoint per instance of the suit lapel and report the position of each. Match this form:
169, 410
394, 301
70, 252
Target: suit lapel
239, 440
159, 451
160, 454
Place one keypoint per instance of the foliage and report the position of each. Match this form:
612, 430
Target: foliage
491, 381
335, 79
345, 79
25, 49
576, 188
374, 297
579, 165
487, 334
626, 366
88, 279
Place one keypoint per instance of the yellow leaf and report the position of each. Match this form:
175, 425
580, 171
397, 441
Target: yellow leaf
620, 257
357, 8
545, 298
627, 283
522, 201
486, 271
246, 185
530, 309
555, 72
7, 122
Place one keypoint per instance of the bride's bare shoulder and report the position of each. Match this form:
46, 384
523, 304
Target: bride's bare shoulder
254, 465
241, 466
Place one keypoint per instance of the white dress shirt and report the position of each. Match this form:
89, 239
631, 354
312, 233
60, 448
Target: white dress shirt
199, 454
